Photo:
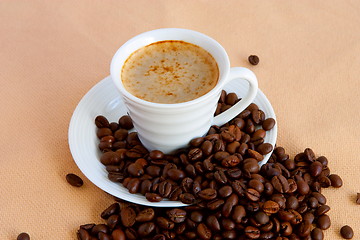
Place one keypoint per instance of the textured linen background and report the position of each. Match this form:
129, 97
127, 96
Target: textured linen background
53, 52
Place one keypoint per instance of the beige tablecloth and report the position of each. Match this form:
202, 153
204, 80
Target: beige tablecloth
53, 52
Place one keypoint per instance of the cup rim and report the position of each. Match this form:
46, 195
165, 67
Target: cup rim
118, 83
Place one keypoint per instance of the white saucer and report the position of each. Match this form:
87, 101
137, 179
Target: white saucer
104, 99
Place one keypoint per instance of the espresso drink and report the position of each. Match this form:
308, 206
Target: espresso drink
170, 72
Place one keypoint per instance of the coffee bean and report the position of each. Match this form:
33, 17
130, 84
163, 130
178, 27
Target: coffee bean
118, 234
292, 202
304, 229
102, 132
347, 232
195, 154
126, 122
251, 165
358, 198
187, 198
112, 209
230, 202
323, 222
213, 223
146, 229
322, 210
206, 147
317, 234
261, 217
308, 217
268, 124
280, 183
111, 158
153, 197
252, 232
316, 168
215, 204
253, 60
82, 234
101, 122
264, 148
176, 215
121, 134
103, 236
270, 207
207, 194
100, 228
74, 180
23, 236
203, 231
230, 161
252, 194
225, 191
336, 181
220, 177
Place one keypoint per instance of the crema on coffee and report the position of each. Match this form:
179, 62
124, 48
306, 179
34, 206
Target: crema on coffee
170, 72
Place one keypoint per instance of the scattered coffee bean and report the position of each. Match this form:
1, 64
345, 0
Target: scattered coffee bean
23, 236
253, 59
336, 181
358, 198
347, 232
74, 180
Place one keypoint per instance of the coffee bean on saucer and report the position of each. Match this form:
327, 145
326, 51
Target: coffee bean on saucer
74, 180
253, 59
347, 232
268, 124
101, 122
126, 122
23, 236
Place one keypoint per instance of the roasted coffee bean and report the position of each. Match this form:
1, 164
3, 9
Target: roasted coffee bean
317, 234
196, 216
270, 207
215, 204
230, 202
316, 168
225, 191
313, 202
195, 154
302, 187
112, 209
253, 60
322, 210
126, 122
207, 194
252, 232
321, 198
187, 198
135, 170
268, 124
101, 122
347, 232
268, 188
153, 197
220, 177
234, 173
165, 223
324, 181
145, 215
99, 228
102, 132
146, 229
323, 222
213, 223
134, 185
264, 148
304, 229
121, 134
280, 199
104, 236
336, 181
238, 213
261, 217
81, 234
118, 234
252, 194
308, 217
256, 184
251, 165
280, 183
203, 231
292, 202
113, 220
74, 180
206, 147
111, 158
175, 174
23, 236
230, 161
176, 215
256, 155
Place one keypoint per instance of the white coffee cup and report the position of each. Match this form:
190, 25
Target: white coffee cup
168, 127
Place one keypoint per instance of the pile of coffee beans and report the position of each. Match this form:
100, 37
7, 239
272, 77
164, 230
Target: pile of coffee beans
218, 161
282, 200
231, 196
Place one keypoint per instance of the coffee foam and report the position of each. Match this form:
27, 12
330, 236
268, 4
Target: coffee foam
170, 72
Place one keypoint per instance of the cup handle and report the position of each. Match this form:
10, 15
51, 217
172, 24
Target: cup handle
238, 73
